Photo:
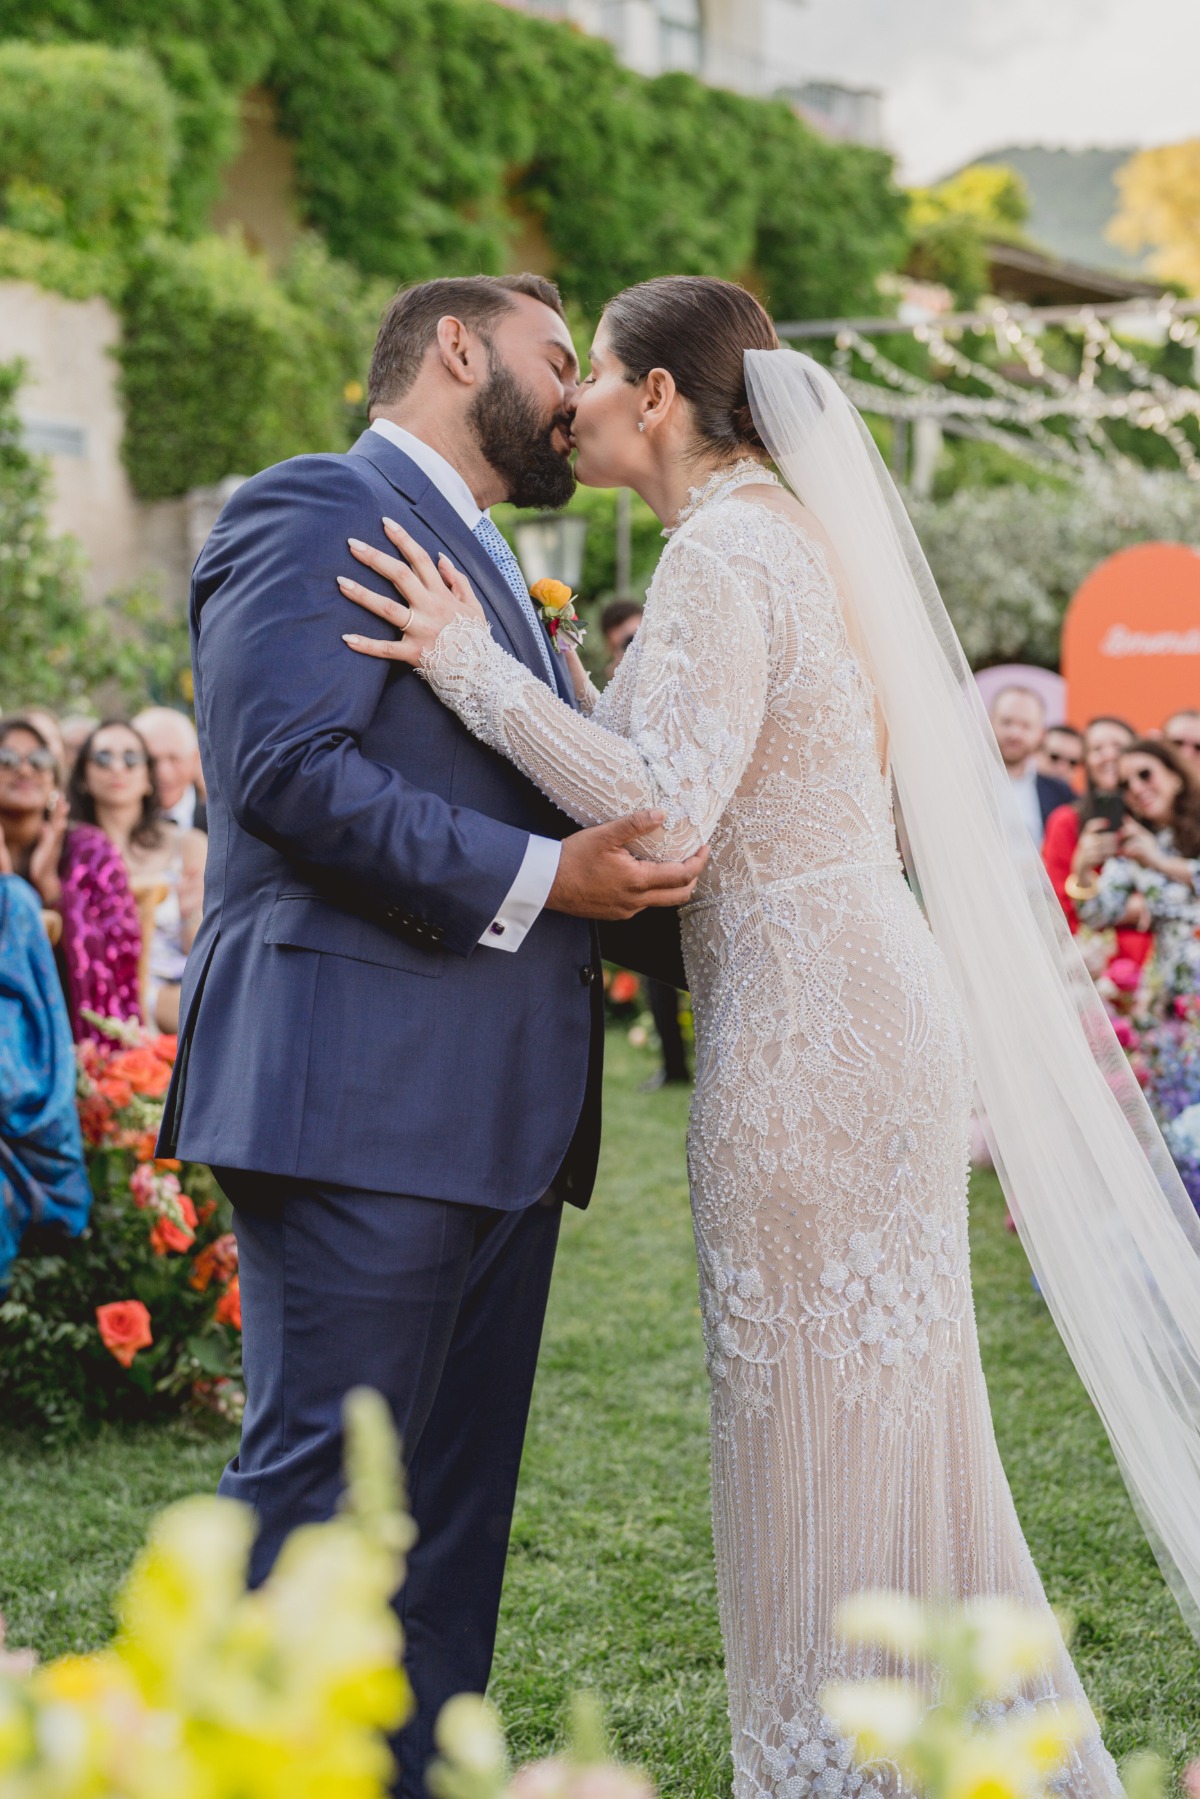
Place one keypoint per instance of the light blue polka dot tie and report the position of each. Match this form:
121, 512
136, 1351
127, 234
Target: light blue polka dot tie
495, 543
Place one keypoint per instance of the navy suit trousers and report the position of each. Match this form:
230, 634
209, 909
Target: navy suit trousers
440, 1308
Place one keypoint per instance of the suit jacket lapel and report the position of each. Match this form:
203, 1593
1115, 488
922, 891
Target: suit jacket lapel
497, 598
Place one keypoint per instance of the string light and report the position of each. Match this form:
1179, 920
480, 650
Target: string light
1020, 416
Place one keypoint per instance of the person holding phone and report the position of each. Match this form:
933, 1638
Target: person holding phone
1151, 860
1081, 837
77, 874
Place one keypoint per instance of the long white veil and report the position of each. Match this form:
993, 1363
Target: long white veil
1103, 1215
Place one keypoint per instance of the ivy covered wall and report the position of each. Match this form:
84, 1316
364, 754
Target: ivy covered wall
417, 123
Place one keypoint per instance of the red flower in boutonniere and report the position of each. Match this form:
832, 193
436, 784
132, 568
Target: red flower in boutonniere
556, 609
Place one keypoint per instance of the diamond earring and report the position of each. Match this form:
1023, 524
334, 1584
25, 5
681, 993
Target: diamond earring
641, 424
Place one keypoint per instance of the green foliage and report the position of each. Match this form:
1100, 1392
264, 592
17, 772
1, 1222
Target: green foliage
54, 648
427, 131
1008, 558
274, 357
949, 226
86, 143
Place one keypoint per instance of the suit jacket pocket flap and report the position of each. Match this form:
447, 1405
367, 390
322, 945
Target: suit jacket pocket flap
298, 921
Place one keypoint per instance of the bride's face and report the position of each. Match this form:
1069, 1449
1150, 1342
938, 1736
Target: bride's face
610, 448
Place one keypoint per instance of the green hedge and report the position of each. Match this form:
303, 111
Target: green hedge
423, 129
225, 369
87, 143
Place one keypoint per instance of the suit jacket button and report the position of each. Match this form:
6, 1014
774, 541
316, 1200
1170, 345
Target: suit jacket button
587, 974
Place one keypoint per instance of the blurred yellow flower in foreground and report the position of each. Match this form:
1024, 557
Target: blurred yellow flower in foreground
967, 1731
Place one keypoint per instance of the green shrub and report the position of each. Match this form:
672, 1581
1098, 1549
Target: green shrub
86, 143
225, 369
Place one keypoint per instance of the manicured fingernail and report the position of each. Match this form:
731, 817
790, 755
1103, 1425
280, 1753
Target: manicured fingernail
391, 524
356, 543
351, 637
345, 583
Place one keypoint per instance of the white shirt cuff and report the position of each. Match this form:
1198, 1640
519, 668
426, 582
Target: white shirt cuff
526, 897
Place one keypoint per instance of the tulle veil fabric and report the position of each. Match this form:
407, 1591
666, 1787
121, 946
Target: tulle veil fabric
1101, 1211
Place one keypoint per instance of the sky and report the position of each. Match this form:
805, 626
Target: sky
964, 76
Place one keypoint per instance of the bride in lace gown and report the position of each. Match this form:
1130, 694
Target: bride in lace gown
852, 1441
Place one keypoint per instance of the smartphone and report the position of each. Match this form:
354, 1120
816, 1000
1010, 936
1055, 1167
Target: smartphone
1110, 807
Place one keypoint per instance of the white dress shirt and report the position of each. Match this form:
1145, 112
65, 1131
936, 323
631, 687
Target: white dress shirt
1025, 788
183, 812
528, 894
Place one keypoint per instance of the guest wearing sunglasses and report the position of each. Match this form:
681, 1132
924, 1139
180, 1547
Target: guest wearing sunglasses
1080, 838
1061, 754
1152, 860
1182, 732
112, 785
78, 876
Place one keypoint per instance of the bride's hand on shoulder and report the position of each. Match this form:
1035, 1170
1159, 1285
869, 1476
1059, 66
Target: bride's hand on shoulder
432, 595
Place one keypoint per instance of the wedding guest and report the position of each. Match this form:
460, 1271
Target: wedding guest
175, 762
112, 786
1182, 732
1073, 832
50, 729
44, 1190
78, 876
1154, 856
619, 623
1061, 754
1019, 722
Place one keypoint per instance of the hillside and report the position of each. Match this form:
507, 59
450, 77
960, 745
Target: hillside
1074, 196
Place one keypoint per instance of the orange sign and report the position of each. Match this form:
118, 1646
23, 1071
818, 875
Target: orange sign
1131, 637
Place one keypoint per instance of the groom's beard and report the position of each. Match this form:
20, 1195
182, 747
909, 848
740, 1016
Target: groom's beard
517, 442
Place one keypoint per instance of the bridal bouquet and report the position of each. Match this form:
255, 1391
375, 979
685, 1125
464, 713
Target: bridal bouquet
142, 1313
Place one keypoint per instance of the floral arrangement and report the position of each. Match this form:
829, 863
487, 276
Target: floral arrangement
143, 1312
556, 609
966, 1729
213, 1692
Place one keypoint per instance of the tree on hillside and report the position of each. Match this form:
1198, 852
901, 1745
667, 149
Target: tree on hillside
950, 225
1160, 210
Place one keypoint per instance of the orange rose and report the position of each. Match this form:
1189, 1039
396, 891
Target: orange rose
165, 1048
167, 1165
146, 1073
144, 1144
206, 1208
553, 595
217, 1261
624, 987
116, 1091
124, 1329
229, 1306
168, 1235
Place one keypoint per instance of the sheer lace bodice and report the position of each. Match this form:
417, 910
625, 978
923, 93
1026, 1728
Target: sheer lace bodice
852, 1439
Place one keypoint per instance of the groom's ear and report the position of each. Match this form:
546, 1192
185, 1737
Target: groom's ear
462, 354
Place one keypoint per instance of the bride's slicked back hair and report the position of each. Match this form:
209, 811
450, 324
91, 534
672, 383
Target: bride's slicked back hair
698, 329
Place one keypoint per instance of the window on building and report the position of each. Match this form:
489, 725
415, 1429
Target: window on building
680, 31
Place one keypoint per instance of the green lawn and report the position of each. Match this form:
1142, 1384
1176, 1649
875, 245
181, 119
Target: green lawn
610, 1579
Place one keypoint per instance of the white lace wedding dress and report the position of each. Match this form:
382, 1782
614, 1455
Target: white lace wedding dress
852, 1442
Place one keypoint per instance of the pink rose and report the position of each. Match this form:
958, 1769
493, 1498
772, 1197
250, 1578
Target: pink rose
1124, 974
1125, 1034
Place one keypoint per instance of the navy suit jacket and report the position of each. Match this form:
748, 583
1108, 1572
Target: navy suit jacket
341, 1021
1053, 793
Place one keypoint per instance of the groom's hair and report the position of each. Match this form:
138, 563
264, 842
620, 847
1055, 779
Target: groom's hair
411, 321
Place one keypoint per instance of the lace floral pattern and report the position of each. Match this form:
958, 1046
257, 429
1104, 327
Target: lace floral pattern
827, 1148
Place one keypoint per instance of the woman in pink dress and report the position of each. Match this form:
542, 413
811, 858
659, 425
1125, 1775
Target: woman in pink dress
78, 876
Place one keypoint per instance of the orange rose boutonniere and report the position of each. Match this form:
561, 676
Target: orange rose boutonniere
556, 609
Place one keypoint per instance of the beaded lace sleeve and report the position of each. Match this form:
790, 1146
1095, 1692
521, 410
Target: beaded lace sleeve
693, 701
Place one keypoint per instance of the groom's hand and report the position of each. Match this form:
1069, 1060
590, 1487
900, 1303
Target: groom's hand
599, 878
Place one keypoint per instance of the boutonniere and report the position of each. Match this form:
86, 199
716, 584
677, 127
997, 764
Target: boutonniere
556, 608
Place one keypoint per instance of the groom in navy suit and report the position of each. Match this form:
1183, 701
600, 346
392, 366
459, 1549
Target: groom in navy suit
392, 1016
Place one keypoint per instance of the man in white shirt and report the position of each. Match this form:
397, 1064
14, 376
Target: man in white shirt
1019, 721
175, 764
